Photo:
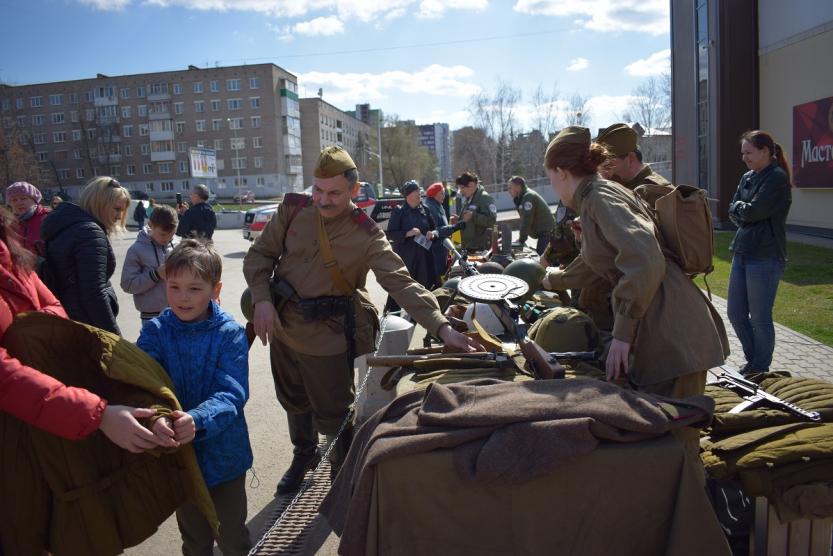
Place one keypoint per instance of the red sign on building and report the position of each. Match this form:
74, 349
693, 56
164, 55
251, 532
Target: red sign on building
813, 144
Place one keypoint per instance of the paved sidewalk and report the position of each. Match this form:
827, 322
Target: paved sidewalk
794, 352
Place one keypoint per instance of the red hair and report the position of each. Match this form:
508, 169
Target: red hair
761, 139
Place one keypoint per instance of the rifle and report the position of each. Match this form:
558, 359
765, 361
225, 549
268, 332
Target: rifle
540, 363
411, 358
753, 395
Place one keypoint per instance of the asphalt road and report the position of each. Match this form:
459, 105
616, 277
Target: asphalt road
267, 423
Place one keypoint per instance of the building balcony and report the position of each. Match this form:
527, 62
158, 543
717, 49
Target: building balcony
109, 158
159, 115
167, 135
159, 96
106, 101
163, 156
295, 169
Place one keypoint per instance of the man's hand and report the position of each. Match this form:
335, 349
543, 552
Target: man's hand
454, 219
617, 359
265, 321
457, 340
119, 424
546, 283
184, 427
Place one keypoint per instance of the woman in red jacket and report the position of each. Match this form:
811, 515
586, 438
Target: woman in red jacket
24, 198
37, 398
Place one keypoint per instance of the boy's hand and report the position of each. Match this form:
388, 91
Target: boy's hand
160, 270
184, 427
163, 428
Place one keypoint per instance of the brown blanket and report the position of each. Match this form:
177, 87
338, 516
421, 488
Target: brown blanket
501, 431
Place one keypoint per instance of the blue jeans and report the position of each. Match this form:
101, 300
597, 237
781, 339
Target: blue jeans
753, 283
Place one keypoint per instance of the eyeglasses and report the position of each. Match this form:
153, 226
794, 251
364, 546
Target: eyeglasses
113, 183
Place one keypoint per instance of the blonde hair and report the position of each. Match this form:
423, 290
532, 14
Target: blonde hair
99, 196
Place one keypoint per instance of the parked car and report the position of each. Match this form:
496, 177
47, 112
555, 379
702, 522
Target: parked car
244, 197
256, 219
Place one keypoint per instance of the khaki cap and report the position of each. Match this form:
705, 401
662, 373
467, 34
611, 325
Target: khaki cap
332, 162
572, 134
620, 139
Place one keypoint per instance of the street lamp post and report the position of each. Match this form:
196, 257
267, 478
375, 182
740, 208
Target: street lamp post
381, 183
238, 186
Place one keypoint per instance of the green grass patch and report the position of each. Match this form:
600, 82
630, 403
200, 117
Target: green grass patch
805, 296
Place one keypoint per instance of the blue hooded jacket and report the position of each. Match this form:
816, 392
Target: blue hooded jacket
208, 362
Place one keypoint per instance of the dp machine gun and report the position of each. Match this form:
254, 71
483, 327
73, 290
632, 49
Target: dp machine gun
754, 395
498, 290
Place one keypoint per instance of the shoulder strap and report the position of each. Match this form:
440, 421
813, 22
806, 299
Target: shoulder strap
365, 222
329, 261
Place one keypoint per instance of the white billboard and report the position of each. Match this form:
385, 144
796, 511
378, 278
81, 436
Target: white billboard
203, 163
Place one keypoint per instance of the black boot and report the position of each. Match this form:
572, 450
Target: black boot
305, 452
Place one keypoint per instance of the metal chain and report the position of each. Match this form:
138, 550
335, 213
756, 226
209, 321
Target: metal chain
324, 457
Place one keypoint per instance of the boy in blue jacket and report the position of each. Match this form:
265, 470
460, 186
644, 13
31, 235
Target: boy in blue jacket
205, 352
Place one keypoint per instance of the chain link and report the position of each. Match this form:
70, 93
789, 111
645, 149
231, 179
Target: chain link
324, 458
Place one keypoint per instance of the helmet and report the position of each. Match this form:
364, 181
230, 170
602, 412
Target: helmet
451, 283
565, 329
529, 271
246, 305
489, 267
486, 318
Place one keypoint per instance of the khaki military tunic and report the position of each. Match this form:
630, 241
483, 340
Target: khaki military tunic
298, 257
672, 327
476, 233
535, 214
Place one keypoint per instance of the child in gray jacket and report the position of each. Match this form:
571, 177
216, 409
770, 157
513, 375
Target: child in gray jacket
143, 272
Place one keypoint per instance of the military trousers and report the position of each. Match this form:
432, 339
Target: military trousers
230, 502
322, 385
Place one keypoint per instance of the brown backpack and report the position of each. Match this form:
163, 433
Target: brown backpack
684, 222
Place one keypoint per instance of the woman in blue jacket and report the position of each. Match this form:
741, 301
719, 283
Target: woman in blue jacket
759, 249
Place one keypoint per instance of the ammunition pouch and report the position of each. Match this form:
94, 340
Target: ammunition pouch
366, 324
323, 308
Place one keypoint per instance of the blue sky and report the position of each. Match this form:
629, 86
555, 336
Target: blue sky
420, 59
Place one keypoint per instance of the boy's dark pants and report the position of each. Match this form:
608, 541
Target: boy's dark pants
230, 501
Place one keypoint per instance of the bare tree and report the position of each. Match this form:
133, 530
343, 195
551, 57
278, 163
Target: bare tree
403, 158
649, 105
474, 150
18, 161
545, 110
578, 113
496, 114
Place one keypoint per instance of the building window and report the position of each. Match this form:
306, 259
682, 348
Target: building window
63, 173
56, 100
76, 134
37, 119
221, 165
261, 181
145, 148
142, 111
127, 130
59, 136
58, 118
89, 114
131, 169
198, 87
179, 108
238, 143
177, 88
215, 86
702, 23
258, 162
199, 106
255, 122
232, 84
257, 142
125, 92
6, 105
165, 168
200, 125
146, 168
235, 103
218, 144
159, 89
43, 156
235, 123
238, 163
181, 147
183, 167
76, 154
217, 124
166, 185
144, 129
127, 150
21, 121
180, 127
140, 92
184, 185
73, 98
255, 101
79, 173
216, 104
254, 83
18, 103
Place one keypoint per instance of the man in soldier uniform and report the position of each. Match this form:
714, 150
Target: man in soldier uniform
536, 219
477, 210
626, 166
315, 254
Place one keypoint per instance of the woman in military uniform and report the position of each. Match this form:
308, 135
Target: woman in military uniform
666, 335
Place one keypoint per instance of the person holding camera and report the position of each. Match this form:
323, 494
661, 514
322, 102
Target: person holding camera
199, 220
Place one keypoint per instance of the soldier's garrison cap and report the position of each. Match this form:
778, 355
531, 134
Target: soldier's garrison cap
572, 134
619, 139
332, 162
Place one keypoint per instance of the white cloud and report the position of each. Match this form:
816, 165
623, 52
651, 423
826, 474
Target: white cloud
325, 26
606, 110
578, 64
346, 89
655, 64
645, 16
432, 9
106, 4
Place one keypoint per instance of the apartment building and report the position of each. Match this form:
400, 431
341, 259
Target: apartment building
139, 128
370, 159
324, 125
437, 139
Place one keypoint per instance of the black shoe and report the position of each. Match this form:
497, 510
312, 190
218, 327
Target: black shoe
294, 476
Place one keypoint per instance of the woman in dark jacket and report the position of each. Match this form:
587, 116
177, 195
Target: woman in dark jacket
409, 224
79, 257
759, 249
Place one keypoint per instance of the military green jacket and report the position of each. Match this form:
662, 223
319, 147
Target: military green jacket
536, 217
476, 233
